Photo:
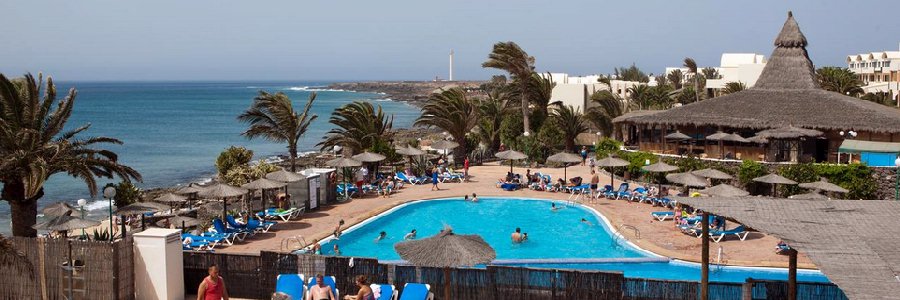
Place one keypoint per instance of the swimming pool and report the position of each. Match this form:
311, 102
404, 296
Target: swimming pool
557, 236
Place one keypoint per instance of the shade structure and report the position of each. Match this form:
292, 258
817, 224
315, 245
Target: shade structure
612, 162
170, 198
444, 145
712, 174
264, 184
824, 186
190, 189
222, 191
815, 195
410, 151
687, 179
734, 137
724, 190
369, 157
758, 139
66, 223
58, 209
565, 158
788, 132
718, 136
510, 155
446, 250
343, 162
774, 179
677, 136
284, 176
180, 222
141, 208
659, 167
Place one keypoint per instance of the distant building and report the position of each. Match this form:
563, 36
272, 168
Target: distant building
575, 90
879, 71
733, 67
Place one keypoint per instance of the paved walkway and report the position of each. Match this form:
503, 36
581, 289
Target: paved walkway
659, 237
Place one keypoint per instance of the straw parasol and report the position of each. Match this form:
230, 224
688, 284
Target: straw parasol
222, 191
687, 179
824, 185
815, 195
444, 145
170, 198
190, 189
58, 209
774, 180
410, 151
343, 163
758, 139
446, 250
65, 223
510, 155
712, 174
718, 136
565, 158
369, 157
180, 221
659, 167
284, 176
263, 184
612, 162
677, 136
724, 190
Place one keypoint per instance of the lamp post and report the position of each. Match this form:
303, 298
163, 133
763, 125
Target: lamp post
81, 203
109, 192
897, 179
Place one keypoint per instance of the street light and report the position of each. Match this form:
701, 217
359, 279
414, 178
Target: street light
81, 203
109, 192
897, 180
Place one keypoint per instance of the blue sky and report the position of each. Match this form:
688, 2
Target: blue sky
410, 40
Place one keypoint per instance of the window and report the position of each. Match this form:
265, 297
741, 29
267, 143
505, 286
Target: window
887, 63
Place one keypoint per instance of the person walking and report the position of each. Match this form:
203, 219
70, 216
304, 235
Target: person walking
213, 286
466, 169
584, 154
434, 179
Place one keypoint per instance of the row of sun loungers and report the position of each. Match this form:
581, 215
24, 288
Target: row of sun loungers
227, 232
297, 287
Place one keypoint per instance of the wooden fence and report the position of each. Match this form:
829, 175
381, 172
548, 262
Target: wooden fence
256, 275
103, 270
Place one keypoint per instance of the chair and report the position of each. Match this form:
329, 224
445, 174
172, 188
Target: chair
638, 194
227, 238
416, 291
291, 285
608, 192
196, 246
663, 215
411, 180
623, 191
447, 176
388, 291
285, 215
718, 235
211, 241
578, 191
220, 228
330, 281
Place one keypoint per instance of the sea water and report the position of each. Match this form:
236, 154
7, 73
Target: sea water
173, 131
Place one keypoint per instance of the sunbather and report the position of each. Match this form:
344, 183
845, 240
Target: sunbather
321, 291
365, 292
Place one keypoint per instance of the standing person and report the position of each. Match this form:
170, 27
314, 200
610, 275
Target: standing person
583, 154
466, 169
361, 175
213, 286
592, 163
595, 182
365, 292
434, 179
320, 291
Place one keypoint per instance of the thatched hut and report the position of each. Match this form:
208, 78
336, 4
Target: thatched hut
787, 94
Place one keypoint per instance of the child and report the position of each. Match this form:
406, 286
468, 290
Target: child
474, 197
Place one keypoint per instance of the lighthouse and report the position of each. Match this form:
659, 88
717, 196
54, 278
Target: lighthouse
451, 65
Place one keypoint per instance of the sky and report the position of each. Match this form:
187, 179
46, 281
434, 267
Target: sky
90, 40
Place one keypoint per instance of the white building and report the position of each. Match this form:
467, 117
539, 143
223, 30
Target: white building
879, 71
733, 67
574, 90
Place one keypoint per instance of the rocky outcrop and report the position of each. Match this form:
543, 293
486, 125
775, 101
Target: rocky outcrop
415, 92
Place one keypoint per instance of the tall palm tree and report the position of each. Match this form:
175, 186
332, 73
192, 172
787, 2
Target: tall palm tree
272, 117
34, 146
734, 87
691, 65
453, 112
641, 95
571, 122
358, 126
840, 80
676, 78
491, 113
509, 57
608, 107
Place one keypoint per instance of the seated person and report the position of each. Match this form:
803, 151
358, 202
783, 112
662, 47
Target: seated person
782, 248
320, 291
560, 183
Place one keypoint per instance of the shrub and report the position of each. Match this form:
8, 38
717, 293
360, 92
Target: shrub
126, 193
607, 146
748, 170
856, 178
637, 160
800, 173
232, 157
690, 163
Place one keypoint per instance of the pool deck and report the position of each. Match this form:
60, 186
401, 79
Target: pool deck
659, 237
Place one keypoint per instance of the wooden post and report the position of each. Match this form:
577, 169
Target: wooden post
446, 283
792, 274
704, 265
747, 290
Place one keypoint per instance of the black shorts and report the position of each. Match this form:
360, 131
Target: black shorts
593, 186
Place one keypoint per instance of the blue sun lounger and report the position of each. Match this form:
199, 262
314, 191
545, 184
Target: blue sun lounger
416, 291
291, 285
388, 291
718, 235
220, 228
663, 215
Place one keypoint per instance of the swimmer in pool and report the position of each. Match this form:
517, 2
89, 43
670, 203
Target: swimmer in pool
517, 236
585, 221
410, 236
381, 236
474, 197
553, 207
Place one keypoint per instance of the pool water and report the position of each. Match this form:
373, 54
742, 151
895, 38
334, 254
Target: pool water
552, 234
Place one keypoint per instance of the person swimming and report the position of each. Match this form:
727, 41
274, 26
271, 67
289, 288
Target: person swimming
524, 236
585, 221
466, 198
474, 197
337, 250
381, 236
553, 207
517, 236
410, 236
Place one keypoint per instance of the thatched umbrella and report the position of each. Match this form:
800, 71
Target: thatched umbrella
446, 250
410, 151
369, 157
824, 185
222, 191
284, 176
687, 179
510, 155
181, 221
659, 167
612, 162
190, 189
263, 185
444, 145
719, 136
712, 174
65, 223
343, 163
724, 190
140, 208
58, 209
677, 136
774, 180
815, 195
565, 158
170, 198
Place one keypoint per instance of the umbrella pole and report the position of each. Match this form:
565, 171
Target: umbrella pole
71, 270
224, 209
447, 283
565, 175
143, 227
704, 266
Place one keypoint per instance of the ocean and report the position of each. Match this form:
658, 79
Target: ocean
173, 131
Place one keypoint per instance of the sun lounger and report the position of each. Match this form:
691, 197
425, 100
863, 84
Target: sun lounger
238, 226
195, 245
220, 228
623, 191
578, 191
285, 215
329, 281
663, 215
638, 194
609, 192
385, 291
447, 176
213, 241
410, 179
718, 235
291, 285
416, 291
510, 186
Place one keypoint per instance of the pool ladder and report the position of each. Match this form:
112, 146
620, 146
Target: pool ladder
620, 235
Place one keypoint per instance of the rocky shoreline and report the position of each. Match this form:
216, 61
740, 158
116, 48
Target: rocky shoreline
414, 92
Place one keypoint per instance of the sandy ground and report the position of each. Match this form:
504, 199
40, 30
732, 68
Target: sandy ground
659, 237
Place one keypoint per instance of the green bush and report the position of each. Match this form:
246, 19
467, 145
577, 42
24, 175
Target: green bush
511, 130
126, 193
748, 170
637, 160
856, 178
690, 163
800, 173
607, 146
232, 157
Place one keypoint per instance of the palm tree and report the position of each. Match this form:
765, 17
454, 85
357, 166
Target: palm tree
642, 95
676, 78
358, 126
711, 73
571, 122
13, 261
273, 118
840, 80
661, 96
491, 113
608, 107
691, 65
509, 57
453, 112
34, 146
733, 87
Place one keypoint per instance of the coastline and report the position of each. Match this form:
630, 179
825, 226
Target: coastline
413, 92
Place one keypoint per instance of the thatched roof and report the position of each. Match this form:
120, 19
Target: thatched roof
660, 167
612, 162
409, 150
444, 145
263, 184
678, 136
853, 242
786, 93
724, 190
810, 196
343, 162
788, 132
140, 208
369, 157
58, 209
65, 223
190, 189
712, 174
169, 197
446, 249
284, 176
687, 179
774, 179
824, 186
510, 154
221, 190
634, 114
565, 157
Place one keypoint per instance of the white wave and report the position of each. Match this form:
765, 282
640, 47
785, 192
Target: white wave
97, 205
384, 100
252, 87
314, 89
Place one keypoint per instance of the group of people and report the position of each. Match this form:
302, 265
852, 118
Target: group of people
409, 236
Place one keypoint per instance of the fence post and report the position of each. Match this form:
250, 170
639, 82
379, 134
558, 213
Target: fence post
747, 289
115, 268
